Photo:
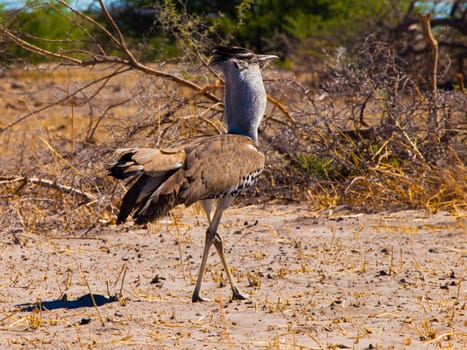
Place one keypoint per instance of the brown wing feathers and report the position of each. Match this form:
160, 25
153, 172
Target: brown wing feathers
202, 169
130, 199
153, 166
164, 198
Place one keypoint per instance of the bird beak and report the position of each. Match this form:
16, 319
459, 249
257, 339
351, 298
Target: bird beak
263, 59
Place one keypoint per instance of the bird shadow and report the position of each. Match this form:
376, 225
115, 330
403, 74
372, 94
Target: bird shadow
63, 303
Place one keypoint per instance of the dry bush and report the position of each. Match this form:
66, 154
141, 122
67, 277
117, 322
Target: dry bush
372, 139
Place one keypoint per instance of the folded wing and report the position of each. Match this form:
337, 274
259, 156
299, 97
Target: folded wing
202, 168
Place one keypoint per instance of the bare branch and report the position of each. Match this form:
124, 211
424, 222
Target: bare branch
432, 44
282, 108
121, 39
35, 49
130, 61
92, 130
90, 20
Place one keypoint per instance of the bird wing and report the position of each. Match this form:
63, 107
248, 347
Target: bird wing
196, 169
150, 161
153, 166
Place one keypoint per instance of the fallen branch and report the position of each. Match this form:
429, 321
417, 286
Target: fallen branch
6, 180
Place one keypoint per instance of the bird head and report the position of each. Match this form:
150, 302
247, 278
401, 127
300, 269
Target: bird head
237, 56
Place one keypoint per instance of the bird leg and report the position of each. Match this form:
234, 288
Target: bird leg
207, 205
213, 237
207, 245
220, 250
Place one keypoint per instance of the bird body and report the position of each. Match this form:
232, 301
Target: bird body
207, 168
201, 168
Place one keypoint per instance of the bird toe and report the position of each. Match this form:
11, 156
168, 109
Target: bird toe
196, 298
238, 296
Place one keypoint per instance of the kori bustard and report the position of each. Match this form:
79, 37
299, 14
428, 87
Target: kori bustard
207, 168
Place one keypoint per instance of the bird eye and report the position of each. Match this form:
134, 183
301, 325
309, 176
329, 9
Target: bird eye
239, 64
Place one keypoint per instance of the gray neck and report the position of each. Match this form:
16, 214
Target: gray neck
245, 99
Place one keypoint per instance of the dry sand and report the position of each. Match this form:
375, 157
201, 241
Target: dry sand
334, 281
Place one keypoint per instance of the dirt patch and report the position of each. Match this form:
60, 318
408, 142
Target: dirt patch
391, 280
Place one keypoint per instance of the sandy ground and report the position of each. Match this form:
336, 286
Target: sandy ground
334, 281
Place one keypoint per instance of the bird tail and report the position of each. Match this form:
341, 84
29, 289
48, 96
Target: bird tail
162, 200
125, 166
149, 194
137, 193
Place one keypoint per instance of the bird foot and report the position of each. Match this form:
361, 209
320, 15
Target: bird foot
238, 296
196, 298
